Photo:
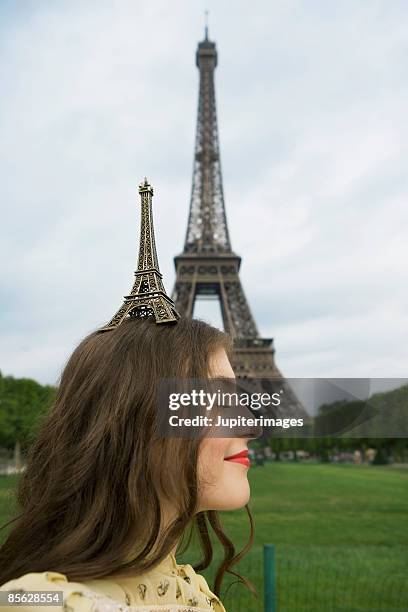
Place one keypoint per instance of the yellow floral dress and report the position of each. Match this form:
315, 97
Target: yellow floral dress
168, 587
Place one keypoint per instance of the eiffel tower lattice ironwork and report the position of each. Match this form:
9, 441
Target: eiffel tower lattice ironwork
208, 266
148, 297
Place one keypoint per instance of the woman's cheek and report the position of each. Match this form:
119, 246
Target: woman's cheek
211, 458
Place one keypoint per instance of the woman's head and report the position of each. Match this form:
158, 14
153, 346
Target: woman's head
97, 479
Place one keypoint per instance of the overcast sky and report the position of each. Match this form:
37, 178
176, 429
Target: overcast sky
312, 101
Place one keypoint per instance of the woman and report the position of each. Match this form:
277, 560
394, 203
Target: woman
104, 503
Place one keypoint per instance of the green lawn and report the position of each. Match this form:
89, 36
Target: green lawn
340, 534
7, 501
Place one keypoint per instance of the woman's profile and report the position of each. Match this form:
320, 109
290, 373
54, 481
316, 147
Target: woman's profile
104, 503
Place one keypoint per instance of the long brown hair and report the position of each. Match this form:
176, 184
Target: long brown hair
89, 499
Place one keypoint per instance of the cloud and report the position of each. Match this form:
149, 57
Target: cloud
311, 103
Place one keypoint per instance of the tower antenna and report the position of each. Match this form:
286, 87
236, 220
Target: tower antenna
206, 24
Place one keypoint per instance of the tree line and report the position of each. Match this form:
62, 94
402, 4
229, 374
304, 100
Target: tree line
379, 423
23, 403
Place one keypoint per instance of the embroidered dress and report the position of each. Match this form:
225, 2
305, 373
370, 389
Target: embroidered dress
168, 587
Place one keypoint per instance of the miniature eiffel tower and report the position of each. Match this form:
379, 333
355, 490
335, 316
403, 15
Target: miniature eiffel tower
148, 296
208, 266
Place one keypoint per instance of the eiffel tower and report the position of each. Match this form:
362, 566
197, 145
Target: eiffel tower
208, 266
148, 297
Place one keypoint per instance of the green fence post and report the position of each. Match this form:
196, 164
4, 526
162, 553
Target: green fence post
269, 578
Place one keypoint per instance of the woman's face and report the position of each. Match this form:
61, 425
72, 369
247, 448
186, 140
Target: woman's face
223, 484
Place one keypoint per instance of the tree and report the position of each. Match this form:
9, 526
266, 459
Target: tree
23, 403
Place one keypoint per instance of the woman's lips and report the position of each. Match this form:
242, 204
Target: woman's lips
241, 458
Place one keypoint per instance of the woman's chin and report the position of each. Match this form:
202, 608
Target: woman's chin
233, 500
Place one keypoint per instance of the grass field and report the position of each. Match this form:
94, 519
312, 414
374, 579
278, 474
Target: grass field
340, 534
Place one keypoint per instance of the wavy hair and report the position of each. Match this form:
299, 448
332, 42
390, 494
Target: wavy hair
89, 500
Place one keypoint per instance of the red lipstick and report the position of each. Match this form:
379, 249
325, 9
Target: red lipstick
241, 458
